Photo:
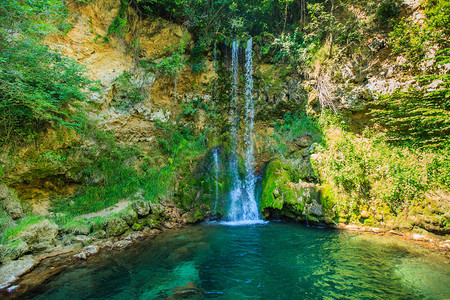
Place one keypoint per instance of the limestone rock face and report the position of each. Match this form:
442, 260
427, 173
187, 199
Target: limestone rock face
10, 202
116, 226
141, 207
40, 235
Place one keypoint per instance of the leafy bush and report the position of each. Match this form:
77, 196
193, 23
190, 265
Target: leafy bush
36, 84
292, 127
367, 170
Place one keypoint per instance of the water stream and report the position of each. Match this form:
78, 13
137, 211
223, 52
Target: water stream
271, 261
243, 208
216, 179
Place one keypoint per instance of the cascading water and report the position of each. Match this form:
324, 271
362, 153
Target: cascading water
216, 178
235, 194
243, 209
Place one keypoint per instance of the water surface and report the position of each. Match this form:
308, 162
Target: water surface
262, 261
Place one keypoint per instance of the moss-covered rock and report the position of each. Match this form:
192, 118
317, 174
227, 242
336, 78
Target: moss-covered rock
116, 226
283, 197
137, 227
130, 216
39, 234
141, 207
13, 250
78, 226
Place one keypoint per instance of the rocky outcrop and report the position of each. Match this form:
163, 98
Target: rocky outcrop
10, 202
11, 271
282, 196
116, 226
38, 236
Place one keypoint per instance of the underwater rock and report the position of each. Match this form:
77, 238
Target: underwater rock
116, 226
187, 291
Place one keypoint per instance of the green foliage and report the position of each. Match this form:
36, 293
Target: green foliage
420, 116
292, 127
130, 92
17, 228
417, 117
368, 171
119, 24
387, 11
36, 84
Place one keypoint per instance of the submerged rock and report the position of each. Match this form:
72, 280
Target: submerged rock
116, 226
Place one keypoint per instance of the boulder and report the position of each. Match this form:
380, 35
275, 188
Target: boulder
116, 226
13, 250
141, 207
157, 209
39, 235
129, 216
315, 209
10, 202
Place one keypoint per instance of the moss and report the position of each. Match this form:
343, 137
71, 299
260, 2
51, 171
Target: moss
369, 221
20, 227
274, 189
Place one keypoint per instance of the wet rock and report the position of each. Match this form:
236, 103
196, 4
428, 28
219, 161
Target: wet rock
11, 271
315, 209
87, 252
141, 207
116, 226
10, 202
40, 235
129, 216
121, 244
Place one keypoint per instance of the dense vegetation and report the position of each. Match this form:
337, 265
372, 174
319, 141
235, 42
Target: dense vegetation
37, 84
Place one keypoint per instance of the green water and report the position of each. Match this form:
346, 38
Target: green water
270, 261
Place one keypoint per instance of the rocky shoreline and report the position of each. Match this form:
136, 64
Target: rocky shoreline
30, 271
22, 272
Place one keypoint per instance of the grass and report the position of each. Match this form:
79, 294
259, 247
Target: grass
16, 229
292, 127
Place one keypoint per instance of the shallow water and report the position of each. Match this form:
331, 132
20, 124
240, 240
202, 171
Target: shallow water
263, 261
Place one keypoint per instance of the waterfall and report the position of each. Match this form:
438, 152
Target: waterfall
235, 194
216, 178
243, 209
250, 206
